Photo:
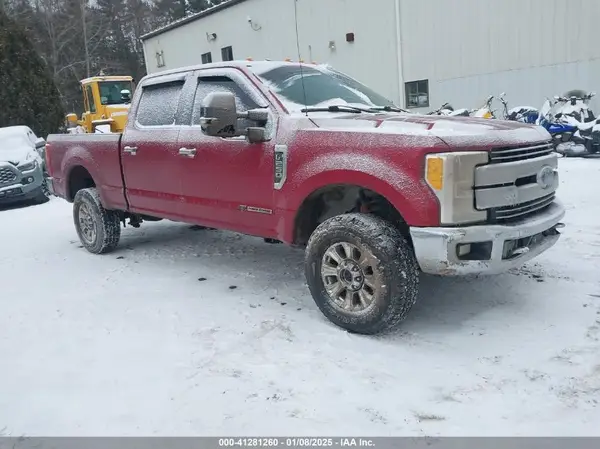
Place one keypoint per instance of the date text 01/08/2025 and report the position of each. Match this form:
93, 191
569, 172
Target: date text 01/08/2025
296, 442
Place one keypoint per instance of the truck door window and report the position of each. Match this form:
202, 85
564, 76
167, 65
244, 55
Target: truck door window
90, 97
158, 104
209, 84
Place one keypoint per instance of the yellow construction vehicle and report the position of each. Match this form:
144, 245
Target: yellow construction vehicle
106, 101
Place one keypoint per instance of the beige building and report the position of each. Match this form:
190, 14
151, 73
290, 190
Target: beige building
419, 53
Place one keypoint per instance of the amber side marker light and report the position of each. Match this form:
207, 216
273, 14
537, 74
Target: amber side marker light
434, 172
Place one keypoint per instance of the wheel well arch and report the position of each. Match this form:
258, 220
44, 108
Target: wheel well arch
337, 199
79, 178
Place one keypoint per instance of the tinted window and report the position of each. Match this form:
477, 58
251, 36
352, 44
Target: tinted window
417, 94
206, 58
227, 53
90, 98
312, 86
158, 104
110, 91
206, 85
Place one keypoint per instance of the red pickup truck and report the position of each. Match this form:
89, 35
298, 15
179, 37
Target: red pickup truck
308, 156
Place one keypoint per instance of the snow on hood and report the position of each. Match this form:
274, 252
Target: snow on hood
16, 150
17, 155
455, 131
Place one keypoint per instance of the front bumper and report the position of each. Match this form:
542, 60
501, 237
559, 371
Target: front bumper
50, 185
495, 248
24, 188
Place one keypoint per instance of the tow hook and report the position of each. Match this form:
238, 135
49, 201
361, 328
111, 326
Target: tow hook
553, 230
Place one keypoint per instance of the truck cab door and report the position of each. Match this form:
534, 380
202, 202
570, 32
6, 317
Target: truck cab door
149, 151
227, 183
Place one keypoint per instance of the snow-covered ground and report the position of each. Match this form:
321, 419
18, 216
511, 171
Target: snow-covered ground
192, 332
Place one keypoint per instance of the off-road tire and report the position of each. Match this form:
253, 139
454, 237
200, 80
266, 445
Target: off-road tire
107, 222
396, 265
40, 196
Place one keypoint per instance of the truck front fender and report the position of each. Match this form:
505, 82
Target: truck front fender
404, 189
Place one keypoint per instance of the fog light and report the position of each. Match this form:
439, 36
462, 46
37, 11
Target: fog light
474, 251
463, 249
30, 179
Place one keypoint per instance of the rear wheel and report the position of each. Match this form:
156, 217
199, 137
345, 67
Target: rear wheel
99, 230
362, 273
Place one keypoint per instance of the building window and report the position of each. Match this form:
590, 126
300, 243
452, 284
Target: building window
206, 58
160, 59
417, 94
227, 54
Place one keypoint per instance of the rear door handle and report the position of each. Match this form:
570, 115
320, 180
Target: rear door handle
130, 150
188, 152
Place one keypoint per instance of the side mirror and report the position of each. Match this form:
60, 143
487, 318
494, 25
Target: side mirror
261, 116
40, 142
126, 96
219, 118
218, 115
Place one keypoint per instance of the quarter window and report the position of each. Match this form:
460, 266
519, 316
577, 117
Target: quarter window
158, 104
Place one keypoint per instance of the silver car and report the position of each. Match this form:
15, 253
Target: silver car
22, 166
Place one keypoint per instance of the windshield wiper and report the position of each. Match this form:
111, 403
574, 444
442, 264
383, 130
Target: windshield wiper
388, 109
340, 108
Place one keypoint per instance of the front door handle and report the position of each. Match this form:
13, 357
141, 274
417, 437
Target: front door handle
130, 150
188, 152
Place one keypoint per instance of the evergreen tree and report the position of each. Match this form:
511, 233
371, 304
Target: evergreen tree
28, 95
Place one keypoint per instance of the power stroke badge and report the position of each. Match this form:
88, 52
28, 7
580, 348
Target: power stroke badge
281, 158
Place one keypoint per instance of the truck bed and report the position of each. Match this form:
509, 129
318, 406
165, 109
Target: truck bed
99, 154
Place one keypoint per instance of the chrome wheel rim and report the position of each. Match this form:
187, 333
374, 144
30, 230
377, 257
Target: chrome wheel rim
87, 224
349, 276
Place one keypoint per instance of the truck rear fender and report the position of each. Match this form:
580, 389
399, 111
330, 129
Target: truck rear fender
81, 173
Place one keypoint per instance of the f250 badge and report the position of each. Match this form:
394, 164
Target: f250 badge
281, 159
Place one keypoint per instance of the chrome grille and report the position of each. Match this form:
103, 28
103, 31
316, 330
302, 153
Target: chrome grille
512, 154
7, 175
521, 210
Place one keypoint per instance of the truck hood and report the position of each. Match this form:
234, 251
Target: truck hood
455, 131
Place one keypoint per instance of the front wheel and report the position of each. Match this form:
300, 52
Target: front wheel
41, 195
362, 273
99, 230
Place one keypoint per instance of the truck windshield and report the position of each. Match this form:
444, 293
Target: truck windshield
321, 87
110, 91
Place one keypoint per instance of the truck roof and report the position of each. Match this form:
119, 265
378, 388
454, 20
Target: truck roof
256, 66
106, 78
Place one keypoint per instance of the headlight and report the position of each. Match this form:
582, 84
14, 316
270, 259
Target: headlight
452, 176
28, 166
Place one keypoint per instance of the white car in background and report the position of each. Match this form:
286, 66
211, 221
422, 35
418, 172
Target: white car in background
22, 166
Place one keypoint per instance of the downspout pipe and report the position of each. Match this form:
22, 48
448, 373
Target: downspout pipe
399, 59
